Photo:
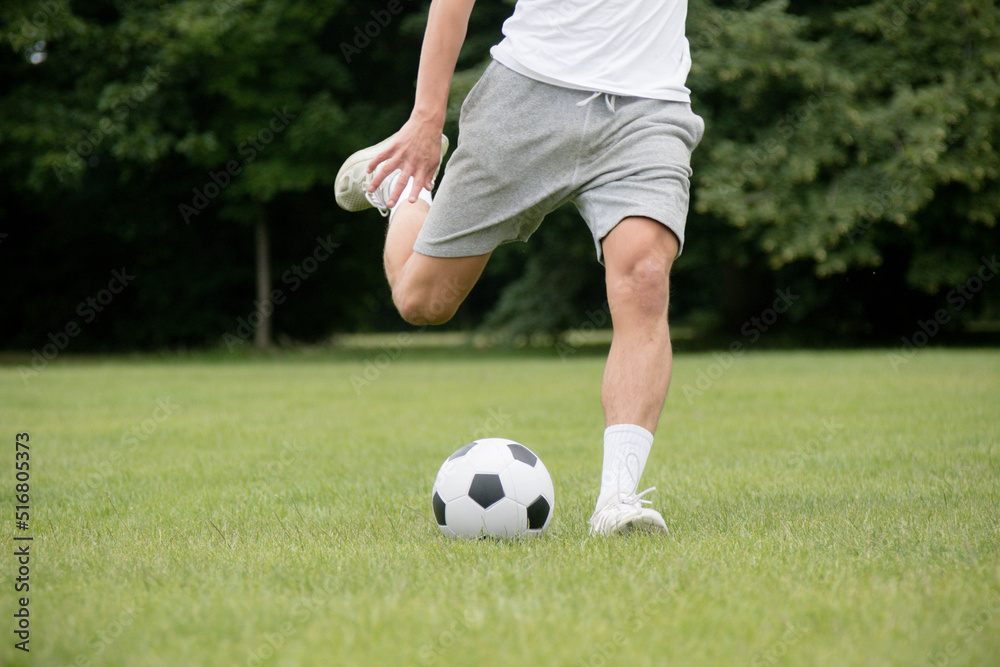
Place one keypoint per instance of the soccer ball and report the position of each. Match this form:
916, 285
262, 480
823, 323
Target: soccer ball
493, 487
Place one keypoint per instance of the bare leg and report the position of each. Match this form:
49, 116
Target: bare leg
426, 290
638, 255
402, 234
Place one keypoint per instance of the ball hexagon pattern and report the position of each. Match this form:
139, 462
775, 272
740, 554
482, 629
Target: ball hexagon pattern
493, 487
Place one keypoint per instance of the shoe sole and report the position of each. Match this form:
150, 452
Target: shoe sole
643, 526
640, 524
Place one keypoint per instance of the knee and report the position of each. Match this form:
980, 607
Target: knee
643, 283
421, 308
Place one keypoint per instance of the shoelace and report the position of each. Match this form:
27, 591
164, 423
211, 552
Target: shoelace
635, 499
377, 198
609, 100
610, 516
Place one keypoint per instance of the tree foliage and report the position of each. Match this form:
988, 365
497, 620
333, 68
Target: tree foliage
850, 151
155, 134
843, 131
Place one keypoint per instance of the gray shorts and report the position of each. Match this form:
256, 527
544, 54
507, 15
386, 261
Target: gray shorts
527, 147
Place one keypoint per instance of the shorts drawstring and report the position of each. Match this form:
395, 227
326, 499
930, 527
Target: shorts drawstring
609, 100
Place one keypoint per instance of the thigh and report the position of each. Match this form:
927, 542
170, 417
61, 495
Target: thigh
440, 284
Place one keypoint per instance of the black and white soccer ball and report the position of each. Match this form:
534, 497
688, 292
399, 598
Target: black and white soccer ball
493, 487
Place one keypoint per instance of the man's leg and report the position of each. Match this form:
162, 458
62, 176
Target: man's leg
638, 254
426, 290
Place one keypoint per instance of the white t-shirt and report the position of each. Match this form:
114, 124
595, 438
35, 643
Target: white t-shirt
623, 47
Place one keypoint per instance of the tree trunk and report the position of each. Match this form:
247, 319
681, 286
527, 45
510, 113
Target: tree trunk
262, 334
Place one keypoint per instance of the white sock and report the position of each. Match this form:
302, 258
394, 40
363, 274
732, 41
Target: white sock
626, 449
425, 194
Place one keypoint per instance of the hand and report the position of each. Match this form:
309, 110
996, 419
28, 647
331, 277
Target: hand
416, 152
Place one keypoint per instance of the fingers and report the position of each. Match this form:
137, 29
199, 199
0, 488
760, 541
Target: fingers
404, 178
422, 179
411, 162
381, 166
399, 187
391, 152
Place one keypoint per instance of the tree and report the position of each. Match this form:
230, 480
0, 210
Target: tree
849, 152
843, 138
883, 123
216, 113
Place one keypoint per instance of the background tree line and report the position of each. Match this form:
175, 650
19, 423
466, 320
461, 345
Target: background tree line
849, 157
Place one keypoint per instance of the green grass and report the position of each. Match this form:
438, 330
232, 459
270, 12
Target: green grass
824, 510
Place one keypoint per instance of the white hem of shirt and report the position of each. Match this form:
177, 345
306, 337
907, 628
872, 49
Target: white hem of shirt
506, 58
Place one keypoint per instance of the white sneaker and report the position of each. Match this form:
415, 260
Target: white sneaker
353, 179
625, 514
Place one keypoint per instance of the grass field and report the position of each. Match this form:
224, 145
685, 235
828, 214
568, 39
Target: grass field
825, 509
